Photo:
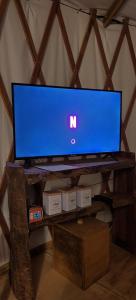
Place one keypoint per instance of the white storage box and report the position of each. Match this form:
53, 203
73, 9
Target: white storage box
84, 198
52, 203
68, 197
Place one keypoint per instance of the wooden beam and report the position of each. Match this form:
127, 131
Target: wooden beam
44, 43
3, 182
131, 48
112, 11
108, 73
130, 108
103, 55
115, 56
6, 100
28, 36
5, 228
67, 43
3, 8
83, 48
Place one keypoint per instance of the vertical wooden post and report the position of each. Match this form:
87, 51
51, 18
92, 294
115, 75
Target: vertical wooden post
20, 263
124, 181
124, 217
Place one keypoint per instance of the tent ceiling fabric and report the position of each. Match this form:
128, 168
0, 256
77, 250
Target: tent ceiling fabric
127, 10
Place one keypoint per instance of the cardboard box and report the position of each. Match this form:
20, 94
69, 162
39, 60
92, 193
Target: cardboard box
52, 203
82, 251
84, 198
68, 197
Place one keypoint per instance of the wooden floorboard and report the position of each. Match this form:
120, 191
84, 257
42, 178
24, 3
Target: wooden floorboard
122, 276
118, 284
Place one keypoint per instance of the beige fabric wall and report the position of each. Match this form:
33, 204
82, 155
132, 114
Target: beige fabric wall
16, 65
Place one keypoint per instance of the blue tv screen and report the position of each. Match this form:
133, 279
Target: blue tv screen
58, 121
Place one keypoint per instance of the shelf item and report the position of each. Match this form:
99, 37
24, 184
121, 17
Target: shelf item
52, 202
84, 196
35, 214
69, 199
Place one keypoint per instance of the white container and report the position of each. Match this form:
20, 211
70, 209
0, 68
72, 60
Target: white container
68, 197
52, 203
84, 197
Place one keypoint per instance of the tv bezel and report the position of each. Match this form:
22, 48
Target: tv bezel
61, 155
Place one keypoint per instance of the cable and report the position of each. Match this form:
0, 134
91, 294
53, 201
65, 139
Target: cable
78, 10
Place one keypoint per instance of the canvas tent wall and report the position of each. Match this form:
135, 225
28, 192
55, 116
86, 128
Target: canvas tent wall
44, 42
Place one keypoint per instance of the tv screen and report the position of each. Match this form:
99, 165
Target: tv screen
58, 121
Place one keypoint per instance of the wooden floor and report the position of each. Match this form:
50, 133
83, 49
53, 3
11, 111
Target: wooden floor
118, 284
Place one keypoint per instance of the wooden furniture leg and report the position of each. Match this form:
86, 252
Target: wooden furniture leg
20, 261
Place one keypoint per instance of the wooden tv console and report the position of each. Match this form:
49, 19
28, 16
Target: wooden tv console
19, 182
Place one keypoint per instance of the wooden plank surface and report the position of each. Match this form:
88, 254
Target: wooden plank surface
63, 288
117, 284
123, 161
121, 279
69, 216
117, 200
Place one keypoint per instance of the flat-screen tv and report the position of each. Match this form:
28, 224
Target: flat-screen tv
58, 121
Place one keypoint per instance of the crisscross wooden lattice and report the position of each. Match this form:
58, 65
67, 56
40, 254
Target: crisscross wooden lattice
55, 12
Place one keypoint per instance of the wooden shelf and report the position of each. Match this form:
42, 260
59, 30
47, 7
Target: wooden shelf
122, 200
116, 200
123, 160
68, 216
19, 186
